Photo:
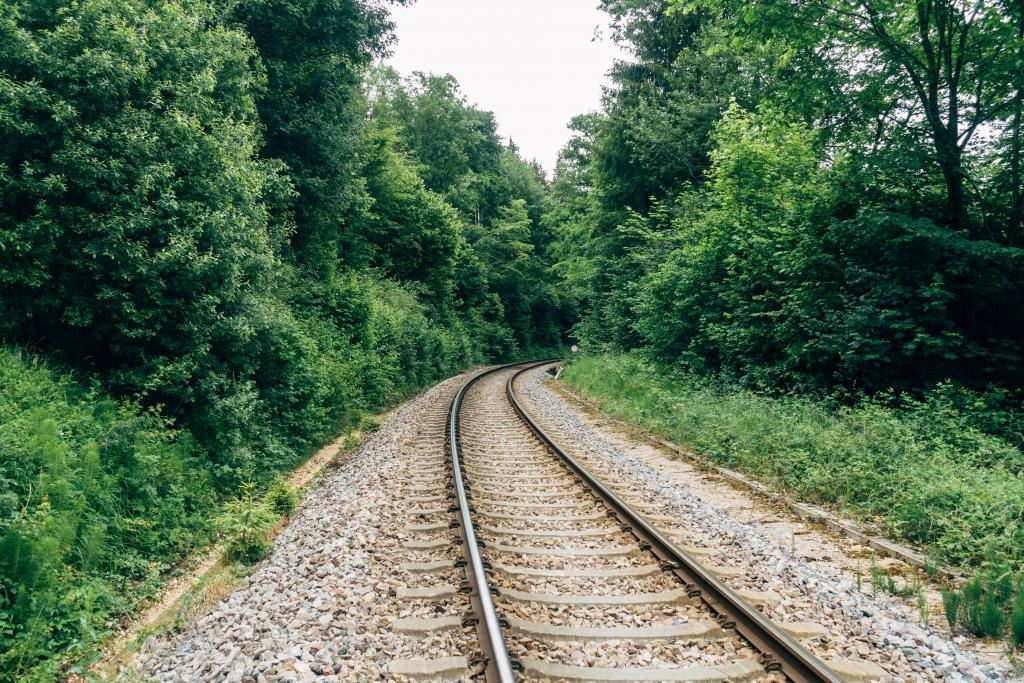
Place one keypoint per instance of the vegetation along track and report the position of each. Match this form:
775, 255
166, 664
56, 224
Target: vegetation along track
569, 582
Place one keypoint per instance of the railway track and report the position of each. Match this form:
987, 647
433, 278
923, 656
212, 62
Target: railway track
566, 580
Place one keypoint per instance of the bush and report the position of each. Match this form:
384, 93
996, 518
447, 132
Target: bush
369, 423
281, 498
140, 227
97, 498
917, 467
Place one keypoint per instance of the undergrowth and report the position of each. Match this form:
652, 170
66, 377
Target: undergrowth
989, 605
920, 472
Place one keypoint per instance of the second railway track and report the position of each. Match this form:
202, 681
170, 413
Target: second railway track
568, 583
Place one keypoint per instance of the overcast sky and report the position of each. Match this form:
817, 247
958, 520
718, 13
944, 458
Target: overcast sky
534, 63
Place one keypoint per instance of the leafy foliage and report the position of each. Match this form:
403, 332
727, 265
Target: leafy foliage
314, 53
235, 251
918, 468
97, 497
764, 282
803, 195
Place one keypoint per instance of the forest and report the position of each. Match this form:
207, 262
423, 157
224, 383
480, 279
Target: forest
793, 235
228, 235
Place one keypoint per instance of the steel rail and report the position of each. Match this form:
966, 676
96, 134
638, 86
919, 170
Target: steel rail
488, 624
779, 651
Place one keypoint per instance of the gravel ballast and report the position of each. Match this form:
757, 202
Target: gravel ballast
322, 605
876, 628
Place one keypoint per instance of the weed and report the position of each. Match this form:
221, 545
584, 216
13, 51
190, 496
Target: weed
351, 441
931, 567
886, 583
951, 606
1017, 617
980, 614
986, 605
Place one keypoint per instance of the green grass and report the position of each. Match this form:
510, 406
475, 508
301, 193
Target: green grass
97, 499
920, 472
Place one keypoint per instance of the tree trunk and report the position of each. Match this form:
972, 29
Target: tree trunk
1016, 208
953, 174
1017, 202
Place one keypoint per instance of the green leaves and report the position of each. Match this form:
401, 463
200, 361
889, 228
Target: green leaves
907, 467
101, 495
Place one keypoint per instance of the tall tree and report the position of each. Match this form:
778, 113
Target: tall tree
315, 53
945, 66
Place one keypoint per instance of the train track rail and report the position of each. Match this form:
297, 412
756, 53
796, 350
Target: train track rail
568, 581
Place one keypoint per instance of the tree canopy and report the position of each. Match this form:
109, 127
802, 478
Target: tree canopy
815, 193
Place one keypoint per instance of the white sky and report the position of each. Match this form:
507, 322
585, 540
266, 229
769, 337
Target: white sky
534, 63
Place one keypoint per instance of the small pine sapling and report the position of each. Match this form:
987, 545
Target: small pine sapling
981, 612
281, 498
245, 523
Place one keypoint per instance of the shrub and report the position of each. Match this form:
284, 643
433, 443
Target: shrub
97, 497
281, 498
369, 423
244, 524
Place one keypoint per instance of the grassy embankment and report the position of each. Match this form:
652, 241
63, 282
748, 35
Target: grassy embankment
99, 499
920, 472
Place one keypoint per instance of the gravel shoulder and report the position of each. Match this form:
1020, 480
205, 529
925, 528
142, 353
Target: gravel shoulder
322, 605
823, 577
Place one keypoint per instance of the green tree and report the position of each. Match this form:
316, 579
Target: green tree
139, 225
945, 70
314, 52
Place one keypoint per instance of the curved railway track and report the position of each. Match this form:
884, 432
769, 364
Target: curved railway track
568, 582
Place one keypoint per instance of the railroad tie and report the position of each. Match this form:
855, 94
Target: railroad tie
674, 596
744, 670
703, 630
447, 667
